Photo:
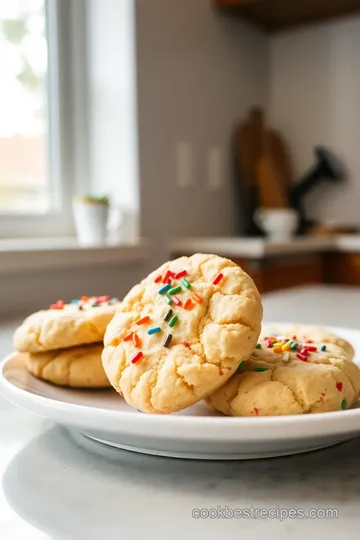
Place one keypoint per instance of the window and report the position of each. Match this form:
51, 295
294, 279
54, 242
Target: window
42, 75
24, 172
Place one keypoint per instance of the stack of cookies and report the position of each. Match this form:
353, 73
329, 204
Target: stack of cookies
63, 344
191, 331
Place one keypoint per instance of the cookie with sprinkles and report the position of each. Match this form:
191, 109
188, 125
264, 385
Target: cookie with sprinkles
304, 333
284, 376
81, 321
203, 315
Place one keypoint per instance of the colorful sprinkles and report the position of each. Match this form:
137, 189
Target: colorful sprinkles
167, 341
186, 283
169, 290
164, 289
218, 279
137, 357
173, 321
85, 302
238, 370
154, 330
175, 290
144, 320
188, 304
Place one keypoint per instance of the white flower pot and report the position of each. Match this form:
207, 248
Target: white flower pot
91, 222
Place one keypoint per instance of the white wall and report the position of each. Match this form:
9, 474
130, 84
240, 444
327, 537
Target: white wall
112, 101
198, 73
314, 99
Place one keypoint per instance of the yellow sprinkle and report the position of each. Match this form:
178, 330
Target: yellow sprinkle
286, 347
277, 349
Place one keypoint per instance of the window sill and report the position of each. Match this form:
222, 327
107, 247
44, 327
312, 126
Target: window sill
46, 254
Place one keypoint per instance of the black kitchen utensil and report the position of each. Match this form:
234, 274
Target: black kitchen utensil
327, 167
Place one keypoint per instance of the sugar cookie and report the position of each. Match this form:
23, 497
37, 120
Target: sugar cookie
182, 332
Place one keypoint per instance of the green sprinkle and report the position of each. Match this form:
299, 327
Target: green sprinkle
175, 290
258, 345
343, 404
261, 369
186, 283
173, 321
168, 300
239, 367
294, 345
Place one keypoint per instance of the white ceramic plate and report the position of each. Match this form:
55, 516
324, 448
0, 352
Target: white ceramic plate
196, 432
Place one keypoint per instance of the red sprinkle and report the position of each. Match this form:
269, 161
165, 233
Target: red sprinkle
312, 349
294, 338
84, 298
186, 344
188, 304
268, 343
221, 372
256, 411
137, 341
167, 276
180, 274
102, 299
177, 301
158, 279
309, 341
144, 320
55, 306
128, 336
339, 386
304, 351
301, 357
197, 298
137, 357
60, 303
218, 279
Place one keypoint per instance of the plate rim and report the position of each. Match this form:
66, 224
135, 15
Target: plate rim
12, 392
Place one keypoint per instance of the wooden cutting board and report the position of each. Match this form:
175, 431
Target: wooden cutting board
280, 156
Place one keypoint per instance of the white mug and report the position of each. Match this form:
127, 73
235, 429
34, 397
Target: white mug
279, 223
92, 222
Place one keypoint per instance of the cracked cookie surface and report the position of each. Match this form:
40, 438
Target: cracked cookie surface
72, 325
78, 367
304, 332
216, 310
269, 385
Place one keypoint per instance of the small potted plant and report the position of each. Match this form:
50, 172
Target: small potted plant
91, 214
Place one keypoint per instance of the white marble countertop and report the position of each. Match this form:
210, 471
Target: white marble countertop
258, 248
53, 488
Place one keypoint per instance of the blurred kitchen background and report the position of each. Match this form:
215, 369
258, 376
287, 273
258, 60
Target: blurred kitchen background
226, 126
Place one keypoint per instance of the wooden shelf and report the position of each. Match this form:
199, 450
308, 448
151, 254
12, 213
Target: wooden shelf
273, 15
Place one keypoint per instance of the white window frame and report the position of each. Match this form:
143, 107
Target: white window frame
68, 113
